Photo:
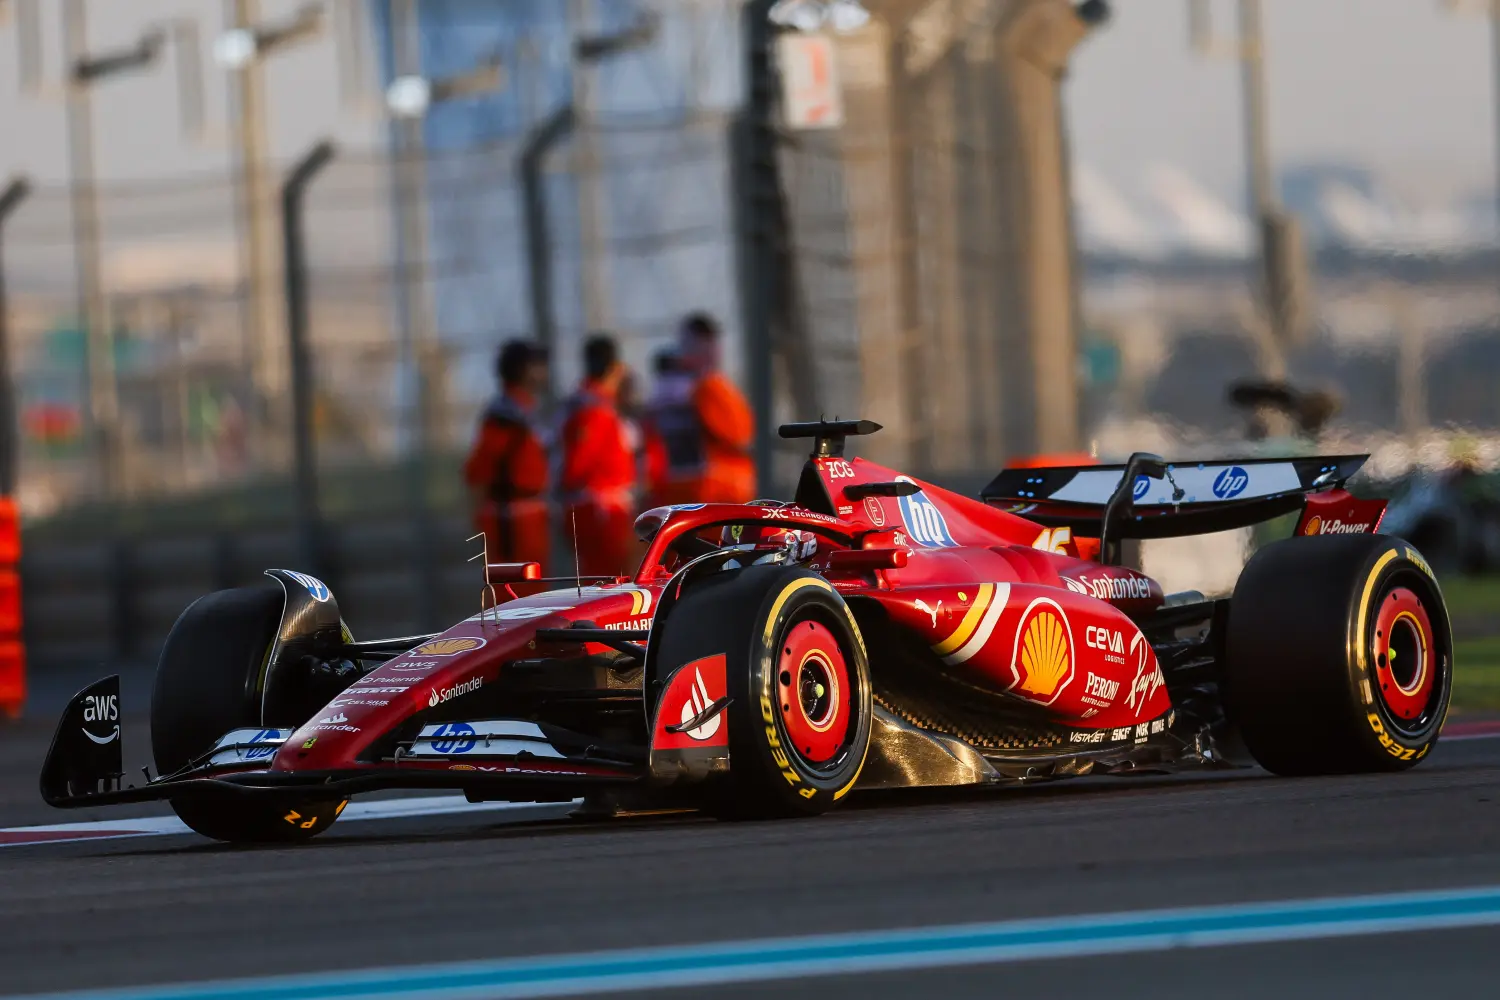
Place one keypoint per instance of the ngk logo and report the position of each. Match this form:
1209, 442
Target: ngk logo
1102, 638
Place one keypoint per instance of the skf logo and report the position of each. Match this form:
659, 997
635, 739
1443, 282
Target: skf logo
1231, 483
1102, 638
447, 647
1043, 659
924, 521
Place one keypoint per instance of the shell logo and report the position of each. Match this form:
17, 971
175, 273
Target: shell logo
1314, 525
1043, 658
447, 647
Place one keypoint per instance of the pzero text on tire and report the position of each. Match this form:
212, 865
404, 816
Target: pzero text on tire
1339, 655
798, 679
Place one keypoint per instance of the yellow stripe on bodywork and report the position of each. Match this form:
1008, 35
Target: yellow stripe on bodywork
970, 623
1364, 605
787, 592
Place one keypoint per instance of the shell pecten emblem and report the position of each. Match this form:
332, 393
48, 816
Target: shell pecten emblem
1043, 659
448, 647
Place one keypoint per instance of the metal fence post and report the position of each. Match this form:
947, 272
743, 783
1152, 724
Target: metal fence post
771, 303
532, 168
294, 249
10, 199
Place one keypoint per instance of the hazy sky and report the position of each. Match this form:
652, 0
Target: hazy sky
1401, 85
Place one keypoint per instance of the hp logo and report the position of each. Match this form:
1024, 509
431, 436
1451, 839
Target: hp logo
1231, 483
449, 738
924, 521
1142, 484
315, 587
260, 752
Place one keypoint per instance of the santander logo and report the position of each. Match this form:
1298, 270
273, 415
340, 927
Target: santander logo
448, 694
697, 701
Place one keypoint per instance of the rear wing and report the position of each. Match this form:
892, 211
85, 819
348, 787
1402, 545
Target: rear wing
1193, 498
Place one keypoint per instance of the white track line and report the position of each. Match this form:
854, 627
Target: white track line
163, 826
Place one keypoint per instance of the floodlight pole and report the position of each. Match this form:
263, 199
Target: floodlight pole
82, 72
10, 199
299, 354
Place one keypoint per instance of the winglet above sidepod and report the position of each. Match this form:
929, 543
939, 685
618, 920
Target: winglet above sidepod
85, 757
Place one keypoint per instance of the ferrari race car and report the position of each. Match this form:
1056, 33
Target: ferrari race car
770, 659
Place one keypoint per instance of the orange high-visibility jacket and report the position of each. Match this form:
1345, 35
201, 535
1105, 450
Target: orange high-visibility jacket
707, 438
507, 467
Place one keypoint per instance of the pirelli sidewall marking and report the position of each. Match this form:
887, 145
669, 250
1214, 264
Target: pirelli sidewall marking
767, 677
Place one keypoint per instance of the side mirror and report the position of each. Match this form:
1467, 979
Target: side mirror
1145, 464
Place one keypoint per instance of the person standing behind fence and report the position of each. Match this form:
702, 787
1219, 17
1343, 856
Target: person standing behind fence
704, 424
671, 391
506, 470
598, 477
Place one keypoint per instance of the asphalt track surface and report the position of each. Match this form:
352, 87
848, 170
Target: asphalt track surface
437, 889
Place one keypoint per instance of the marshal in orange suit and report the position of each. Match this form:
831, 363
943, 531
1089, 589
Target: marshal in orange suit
599, 458
506, 470
700, 428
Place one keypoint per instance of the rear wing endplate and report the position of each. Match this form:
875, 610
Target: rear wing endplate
1193, 498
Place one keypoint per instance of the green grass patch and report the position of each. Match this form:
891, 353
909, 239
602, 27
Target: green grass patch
1476, 674
1473, 599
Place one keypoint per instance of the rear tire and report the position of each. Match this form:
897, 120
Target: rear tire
208, 683
1339, 655
799, 682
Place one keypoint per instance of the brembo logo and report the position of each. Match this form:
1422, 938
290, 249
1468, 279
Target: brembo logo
458, 690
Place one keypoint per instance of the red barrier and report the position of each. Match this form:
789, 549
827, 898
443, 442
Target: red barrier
12, 648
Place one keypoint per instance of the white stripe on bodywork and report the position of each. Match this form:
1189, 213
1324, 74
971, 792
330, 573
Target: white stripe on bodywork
986, 627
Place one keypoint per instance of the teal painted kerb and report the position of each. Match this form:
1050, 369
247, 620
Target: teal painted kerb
874, 951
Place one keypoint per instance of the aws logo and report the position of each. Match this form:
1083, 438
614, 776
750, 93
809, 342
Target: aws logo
924, 520
1042, 662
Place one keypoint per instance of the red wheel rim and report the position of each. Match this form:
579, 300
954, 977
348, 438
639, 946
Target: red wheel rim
812, 683
1405, 655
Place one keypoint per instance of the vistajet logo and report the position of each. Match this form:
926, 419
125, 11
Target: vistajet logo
458, 690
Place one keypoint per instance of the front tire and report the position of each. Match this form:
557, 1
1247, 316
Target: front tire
208, 683
798, 678
1339, 655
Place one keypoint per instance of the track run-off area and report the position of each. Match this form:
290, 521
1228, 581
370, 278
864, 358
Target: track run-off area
1227, 884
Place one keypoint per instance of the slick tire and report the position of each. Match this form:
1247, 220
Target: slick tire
798, 680
1339, 655
207, 683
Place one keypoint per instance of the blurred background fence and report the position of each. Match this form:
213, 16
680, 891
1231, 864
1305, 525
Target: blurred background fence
911, 259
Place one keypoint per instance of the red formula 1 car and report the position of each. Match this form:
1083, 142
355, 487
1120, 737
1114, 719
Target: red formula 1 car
770, 659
